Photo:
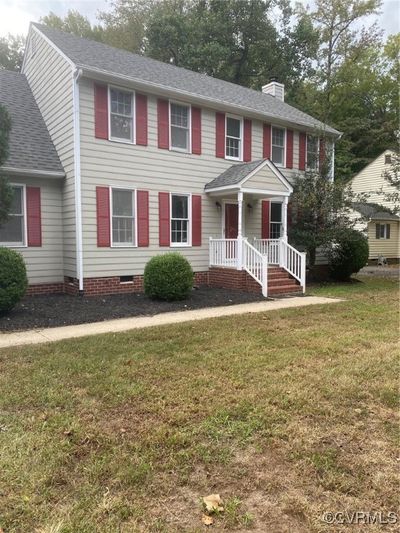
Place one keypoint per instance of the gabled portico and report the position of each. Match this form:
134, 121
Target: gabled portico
238, 189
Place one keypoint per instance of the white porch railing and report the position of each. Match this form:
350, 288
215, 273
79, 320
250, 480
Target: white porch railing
256, 264
255, 258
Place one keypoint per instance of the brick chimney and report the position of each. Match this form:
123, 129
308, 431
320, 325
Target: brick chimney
274, 88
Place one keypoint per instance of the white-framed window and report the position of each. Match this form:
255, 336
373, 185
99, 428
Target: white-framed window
312, 157
121, 115
233, 138
13, 231
180, 219
382, 231
275, 226
123, 217
278, 139
180, 124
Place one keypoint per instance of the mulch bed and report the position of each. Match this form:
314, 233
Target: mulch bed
62, 310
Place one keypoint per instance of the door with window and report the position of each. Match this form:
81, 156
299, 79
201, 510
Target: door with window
275, 227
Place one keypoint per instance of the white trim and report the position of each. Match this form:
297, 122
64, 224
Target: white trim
253, 113
32, 172
24, 243
240, 119
284, 144
173, 148
77, 174
133, 99
189, 232
123, 245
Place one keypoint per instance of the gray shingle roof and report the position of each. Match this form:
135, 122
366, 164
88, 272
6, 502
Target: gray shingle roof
94, 55
374, 211
234, 174
30, 145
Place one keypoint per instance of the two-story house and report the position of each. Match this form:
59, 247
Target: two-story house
150, 158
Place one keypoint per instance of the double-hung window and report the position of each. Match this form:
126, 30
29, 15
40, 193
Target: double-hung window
12, 232
382, 231
276, 220
312, 157
123, 217
121, 115
233, 138
278, 146
180, 127
180, 220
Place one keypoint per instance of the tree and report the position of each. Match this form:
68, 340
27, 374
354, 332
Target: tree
12, 52
392, 177
5, 189
320, 209
74, 23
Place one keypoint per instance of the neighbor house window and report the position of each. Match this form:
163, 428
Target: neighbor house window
233, 139
121, 115
12, 232
388, 159
278, 146
312, 152
275, 227
123, 217
383, 231
180, 219
180, 127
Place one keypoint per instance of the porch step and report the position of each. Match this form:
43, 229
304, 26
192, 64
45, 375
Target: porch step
283, 282
280, 282
284, 289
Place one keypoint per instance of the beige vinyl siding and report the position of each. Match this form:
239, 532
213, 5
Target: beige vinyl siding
389, 248
105, 163
51, 80
45, 263
371, 179
265, 179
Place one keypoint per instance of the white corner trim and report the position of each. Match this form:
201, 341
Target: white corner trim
77, 175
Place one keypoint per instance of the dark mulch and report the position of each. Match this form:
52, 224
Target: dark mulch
62, 310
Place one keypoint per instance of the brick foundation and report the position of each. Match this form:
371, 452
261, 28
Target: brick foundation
230, 278
45, 288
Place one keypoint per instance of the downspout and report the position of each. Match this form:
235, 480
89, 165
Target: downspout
77, 174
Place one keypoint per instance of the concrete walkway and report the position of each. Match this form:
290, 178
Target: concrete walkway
39, 336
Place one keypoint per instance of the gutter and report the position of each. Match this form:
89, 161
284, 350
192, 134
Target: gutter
77, 177
30, 172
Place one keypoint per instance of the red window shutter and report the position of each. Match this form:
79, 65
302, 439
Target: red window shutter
302, 151
196, 220
142, 200
322, 153
103, 216
164, 219
289, 148
247, 140
265, 219
196, 131
267, 141
34, 216
163, 124
141, 119
220, 135
100, 111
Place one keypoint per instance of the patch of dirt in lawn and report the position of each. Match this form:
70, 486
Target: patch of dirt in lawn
62, 309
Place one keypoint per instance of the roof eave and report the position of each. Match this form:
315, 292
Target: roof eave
32, 173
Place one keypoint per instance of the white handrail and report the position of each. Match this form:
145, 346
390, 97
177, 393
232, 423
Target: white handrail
270, 248
256, 264
223, 252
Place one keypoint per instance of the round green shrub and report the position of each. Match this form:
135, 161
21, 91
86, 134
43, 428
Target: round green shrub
13, 279
349, 254
168, 277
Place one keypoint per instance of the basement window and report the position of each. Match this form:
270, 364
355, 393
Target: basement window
126, 279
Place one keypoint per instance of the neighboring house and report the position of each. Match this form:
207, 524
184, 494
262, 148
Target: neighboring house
155, 158
375, 217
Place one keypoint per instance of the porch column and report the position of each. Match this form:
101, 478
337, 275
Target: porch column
284, 217
240, 231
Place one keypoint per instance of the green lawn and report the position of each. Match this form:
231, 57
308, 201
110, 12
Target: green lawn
285, 415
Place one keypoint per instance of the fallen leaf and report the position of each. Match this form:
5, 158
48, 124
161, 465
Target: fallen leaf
207, 520
213, 503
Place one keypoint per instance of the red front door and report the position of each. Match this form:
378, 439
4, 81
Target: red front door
231, 221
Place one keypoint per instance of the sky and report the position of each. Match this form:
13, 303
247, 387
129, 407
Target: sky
15, 15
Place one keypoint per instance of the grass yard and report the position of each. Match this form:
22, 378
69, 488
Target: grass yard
286, 415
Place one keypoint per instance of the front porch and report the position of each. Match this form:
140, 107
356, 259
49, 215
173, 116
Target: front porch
261, 250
